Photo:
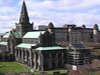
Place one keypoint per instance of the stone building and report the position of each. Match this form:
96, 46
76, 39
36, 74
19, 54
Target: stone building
72, 33
38, 49
34, 48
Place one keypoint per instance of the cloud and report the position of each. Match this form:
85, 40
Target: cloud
7, 2
59, 12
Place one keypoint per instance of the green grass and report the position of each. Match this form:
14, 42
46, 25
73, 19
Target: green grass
61, 71
51, 71
96, 50
12, 67
95, 73
16, 67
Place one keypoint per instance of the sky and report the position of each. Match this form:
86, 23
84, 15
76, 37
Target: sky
41, 12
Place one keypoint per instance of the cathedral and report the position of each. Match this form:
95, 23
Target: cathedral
39, 50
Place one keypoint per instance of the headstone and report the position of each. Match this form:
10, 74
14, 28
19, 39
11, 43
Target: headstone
74, 67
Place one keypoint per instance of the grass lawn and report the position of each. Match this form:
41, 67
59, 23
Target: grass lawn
51, 71
15, 67
12, 67
95, 73
61, 71
95, 50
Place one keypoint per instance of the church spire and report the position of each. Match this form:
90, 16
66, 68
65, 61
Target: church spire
24, 14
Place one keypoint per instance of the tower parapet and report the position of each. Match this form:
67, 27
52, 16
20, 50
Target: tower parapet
95, 33
83, 26
51, 27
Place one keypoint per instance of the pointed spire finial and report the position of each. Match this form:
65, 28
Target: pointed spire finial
24, 14
24, 9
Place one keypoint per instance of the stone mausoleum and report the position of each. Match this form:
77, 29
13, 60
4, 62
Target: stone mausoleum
38, 49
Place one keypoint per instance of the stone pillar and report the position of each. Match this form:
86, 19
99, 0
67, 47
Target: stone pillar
15, 53
50, 62
41, 62
56, 60
70, 35
62, 55
30, 58
26, 57
34, 61
18, 55
22, 56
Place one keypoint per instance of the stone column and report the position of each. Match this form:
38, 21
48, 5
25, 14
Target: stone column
34, 61
18, 55
22, 56
41, 62
30, 58
62, 55
15, 53
50, 61
26, 57
56, 59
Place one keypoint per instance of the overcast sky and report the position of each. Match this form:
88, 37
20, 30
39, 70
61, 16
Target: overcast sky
41, 12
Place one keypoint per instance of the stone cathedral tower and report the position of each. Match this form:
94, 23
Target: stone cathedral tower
24, 25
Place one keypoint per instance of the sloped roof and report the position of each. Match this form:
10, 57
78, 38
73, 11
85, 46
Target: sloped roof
7, 35
3, 43
16, 34
50, 48
25, 45
34, 34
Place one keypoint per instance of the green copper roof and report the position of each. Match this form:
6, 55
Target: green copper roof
16, 34
50, 48
3, 43
34, 34
25, 45
6, 35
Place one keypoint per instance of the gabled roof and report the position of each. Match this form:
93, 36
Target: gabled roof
16, 35
25, 45
3, 43
34, 34
7, 35
50, 48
